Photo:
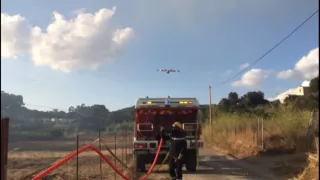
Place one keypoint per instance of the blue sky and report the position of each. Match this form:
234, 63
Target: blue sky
204, 39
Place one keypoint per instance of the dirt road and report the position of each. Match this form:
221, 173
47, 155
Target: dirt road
217, 167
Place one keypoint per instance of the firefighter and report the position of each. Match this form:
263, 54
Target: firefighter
178, 148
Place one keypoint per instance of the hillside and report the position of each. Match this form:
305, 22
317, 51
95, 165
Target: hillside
90, 118
56, 123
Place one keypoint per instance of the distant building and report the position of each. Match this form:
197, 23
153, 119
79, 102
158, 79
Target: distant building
302, 90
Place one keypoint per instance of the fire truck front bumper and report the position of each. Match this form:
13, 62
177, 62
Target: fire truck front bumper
150, 151
194, 144
148, 155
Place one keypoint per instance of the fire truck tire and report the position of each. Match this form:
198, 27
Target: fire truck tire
139, 163
191, 161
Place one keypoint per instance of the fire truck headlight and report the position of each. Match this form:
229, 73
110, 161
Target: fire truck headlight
140, 145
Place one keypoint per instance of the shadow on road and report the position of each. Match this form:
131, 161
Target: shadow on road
282, 165
223, 166
285, 165
217, 165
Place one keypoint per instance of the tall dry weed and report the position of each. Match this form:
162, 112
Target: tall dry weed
312, 170
285, 127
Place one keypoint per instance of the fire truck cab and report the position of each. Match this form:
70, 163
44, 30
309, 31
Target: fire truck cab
153, 113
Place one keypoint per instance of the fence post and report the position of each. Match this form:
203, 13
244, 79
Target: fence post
122, 150
100, 160
245, 132
4, 147
115, 152
258, 129
126, 145
77, 166
262, 122
310, 128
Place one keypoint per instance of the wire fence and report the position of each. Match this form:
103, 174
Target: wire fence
30, 158
273, 135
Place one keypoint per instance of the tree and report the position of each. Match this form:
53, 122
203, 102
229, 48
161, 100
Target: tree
309, 102
11, 101
314, 85
275, 103
233, 98
253, 99
246, 103
71, 109
224, 104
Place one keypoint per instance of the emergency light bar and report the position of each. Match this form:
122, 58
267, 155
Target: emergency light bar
167, 102
185, 102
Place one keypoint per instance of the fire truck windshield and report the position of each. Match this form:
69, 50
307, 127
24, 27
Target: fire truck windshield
163, 116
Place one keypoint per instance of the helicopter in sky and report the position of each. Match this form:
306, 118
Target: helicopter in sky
168, 71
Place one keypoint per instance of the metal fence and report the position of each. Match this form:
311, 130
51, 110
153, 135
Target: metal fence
262, 132
117, 146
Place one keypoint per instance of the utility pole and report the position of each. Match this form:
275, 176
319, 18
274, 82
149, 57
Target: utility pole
210, 108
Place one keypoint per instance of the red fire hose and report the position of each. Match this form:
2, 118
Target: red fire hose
154, 162
73, 154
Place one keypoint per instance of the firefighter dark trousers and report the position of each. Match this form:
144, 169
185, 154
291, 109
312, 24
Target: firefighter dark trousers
175, 169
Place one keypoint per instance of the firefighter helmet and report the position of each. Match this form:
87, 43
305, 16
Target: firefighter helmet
177, 124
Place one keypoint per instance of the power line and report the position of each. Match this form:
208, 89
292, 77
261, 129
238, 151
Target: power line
270, 50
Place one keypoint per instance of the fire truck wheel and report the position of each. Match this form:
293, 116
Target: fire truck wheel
139, 163
191, 161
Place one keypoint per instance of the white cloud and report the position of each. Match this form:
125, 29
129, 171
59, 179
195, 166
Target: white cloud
305, 69
14, 35
83, 42
243, 66
252, 78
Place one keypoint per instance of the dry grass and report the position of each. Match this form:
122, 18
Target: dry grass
311, 172
33, 156
286, 129
239, 135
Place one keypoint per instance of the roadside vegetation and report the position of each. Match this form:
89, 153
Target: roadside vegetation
56, 124
251, 126
236, 128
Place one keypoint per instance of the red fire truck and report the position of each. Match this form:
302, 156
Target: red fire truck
153, 113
